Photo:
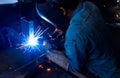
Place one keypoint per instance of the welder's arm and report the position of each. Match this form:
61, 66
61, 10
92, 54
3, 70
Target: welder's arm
60, 59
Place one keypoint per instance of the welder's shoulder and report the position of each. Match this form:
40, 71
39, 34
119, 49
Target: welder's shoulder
82, 16
86, 10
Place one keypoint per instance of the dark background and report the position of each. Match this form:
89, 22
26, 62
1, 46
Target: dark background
11, 59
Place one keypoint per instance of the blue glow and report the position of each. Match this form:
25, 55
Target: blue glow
32, 40
30, 43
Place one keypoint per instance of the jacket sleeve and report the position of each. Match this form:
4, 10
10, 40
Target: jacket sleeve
75, 46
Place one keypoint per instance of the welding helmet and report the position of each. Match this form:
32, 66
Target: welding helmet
50, 11
50, 14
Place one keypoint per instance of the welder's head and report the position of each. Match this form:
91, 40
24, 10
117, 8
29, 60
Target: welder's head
68, 4
65, 7
55, 12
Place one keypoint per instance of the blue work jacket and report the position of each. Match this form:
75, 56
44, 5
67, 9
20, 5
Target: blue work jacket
87, 44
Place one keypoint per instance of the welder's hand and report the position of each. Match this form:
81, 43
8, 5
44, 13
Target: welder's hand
57, 33
58, 57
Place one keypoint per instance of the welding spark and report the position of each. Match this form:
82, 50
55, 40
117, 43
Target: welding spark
32, 41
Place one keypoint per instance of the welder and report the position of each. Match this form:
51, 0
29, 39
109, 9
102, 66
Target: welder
88, 48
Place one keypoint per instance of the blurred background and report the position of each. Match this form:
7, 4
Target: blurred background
15, 20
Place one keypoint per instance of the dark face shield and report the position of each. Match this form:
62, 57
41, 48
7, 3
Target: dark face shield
51, 14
